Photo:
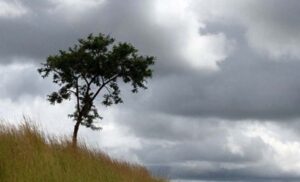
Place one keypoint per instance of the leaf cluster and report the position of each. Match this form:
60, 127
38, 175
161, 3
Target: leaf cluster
94, 65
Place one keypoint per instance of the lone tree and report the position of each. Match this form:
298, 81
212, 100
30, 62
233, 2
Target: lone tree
95, 65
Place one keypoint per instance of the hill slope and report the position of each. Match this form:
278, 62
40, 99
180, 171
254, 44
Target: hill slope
26, 156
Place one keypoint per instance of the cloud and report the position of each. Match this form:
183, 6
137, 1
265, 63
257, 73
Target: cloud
272, 27
61, 23
256, 160
198, 50
233, 92
247, 85
43, 30
214, 150
11, 9
18, 80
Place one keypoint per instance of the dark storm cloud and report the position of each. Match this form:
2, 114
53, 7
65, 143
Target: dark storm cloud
271, 26
188, 148
45, 29
195, 149
36, 34
245, 87
248, 85
209, 150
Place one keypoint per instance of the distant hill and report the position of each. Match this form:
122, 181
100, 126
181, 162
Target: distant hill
26, 155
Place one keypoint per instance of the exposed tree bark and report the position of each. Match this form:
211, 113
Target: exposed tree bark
75, 133
79, 119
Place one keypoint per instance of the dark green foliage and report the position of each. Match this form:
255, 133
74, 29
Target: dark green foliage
92, 66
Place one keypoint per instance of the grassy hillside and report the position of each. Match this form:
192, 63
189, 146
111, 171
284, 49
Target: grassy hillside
25, 156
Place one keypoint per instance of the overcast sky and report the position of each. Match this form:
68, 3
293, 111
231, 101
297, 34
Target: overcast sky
224, 102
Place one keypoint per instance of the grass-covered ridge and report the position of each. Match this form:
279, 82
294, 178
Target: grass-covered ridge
27, 155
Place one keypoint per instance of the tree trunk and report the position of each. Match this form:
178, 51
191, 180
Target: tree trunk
75, 132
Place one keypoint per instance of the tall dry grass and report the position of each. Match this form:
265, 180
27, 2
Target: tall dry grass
27, 155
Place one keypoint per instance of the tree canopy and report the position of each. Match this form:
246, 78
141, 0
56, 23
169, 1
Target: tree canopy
95, 65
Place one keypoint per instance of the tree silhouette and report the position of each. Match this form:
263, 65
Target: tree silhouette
95, 65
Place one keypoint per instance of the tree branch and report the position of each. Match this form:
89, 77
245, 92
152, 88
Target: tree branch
103, 85
88, 87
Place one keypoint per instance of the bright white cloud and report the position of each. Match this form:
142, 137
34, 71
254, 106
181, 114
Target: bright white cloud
283, 152
205, 51
11, 9
201, 51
